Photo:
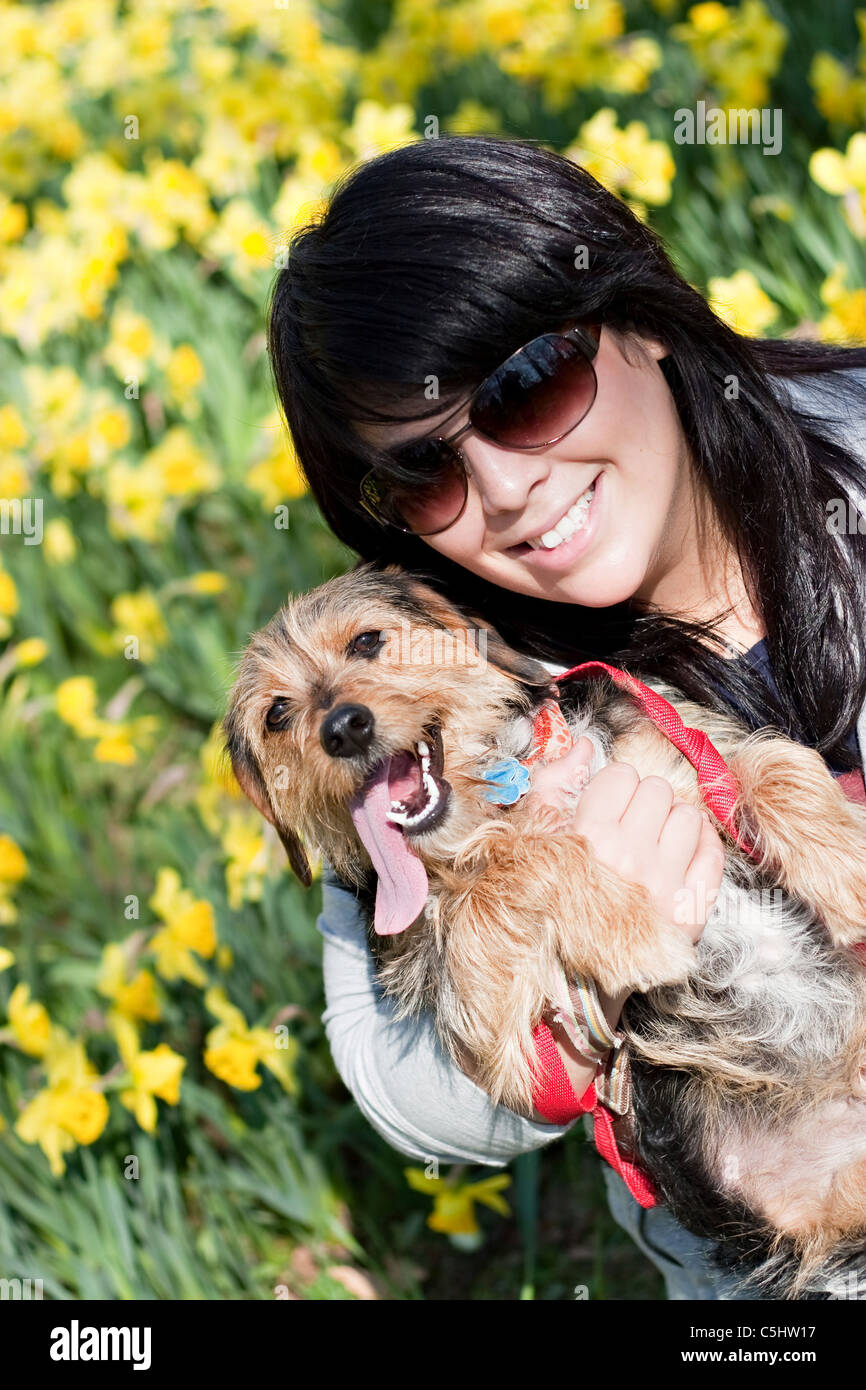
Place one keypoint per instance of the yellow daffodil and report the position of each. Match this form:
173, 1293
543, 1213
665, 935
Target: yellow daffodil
840, 94
233, 1050
75, 702
13, 220
278, 477
13, 863
846, 320
29, 1022
9, 601
376, 129
132, 343
740, 302
139, 616
155, 1075
738, 49
244, 846
31, 651
627, 161
454, 1202
136, 498
13, 431
242, 241
70, 1110
184, 374
14, 476
218, 787
134, 997
207, 582
13, 867
59, 544
845, 176
7, 958
183, 469
189, 928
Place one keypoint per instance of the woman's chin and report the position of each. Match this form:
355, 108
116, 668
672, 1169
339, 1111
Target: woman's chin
604, 583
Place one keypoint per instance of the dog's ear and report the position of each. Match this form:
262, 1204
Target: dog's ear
252, 784
525, 669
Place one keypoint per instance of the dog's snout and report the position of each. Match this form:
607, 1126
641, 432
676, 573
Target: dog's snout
347, 731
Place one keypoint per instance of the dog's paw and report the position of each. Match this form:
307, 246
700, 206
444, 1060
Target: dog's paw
666, 959
843, 911
660, 955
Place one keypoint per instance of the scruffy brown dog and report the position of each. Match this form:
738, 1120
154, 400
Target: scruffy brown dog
361, 723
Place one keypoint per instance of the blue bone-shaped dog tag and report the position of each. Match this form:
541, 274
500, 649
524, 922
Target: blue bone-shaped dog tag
510, 780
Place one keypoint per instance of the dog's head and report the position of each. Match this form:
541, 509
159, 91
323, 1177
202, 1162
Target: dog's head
358, 720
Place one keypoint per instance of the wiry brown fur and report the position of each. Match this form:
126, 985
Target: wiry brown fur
515, 895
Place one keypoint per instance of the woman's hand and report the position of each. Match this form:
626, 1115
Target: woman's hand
637, 829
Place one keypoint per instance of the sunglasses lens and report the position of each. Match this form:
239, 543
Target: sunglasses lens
436, 499
536, 396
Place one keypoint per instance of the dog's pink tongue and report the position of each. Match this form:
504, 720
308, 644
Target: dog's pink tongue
403, 888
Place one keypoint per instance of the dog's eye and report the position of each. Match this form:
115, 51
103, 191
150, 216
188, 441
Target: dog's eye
366, 643
277, 715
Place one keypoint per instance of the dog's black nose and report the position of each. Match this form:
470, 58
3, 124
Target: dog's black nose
347, 731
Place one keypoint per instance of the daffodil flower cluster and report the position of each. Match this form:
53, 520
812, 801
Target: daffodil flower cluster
71, 1108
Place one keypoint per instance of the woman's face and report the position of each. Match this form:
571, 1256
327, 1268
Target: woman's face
631, 532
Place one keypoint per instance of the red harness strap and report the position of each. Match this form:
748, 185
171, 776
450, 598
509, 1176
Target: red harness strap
554, 1096
715, 780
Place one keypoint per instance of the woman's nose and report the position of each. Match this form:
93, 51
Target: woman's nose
502, 478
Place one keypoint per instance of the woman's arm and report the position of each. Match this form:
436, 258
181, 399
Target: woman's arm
402, 1080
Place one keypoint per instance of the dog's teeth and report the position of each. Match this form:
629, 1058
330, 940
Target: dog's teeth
423, 749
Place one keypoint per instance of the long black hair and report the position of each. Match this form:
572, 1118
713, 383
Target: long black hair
440, 259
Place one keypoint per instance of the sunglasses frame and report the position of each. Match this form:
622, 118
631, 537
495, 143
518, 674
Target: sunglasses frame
586, 334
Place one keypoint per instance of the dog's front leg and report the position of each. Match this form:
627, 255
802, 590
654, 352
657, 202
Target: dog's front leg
546, 880
543, 903
609, 927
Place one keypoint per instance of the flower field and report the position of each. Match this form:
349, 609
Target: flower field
171, 1123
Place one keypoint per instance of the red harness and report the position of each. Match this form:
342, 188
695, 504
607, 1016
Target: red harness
554, 1096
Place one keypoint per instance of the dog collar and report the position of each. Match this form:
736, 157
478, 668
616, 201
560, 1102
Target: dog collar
511, 778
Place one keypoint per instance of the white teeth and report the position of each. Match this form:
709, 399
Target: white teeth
568, 525
397, 813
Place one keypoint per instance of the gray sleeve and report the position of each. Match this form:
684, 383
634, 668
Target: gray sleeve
403, 1081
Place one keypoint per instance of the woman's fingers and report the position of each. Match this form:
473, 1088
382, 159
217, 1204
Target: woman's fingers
680, 835
639, 831
703, 877
551, 782
608, 794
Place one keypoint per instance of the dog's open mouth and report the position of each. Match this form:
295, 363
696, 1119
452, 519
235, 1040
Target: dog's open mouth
402, 797
419, 793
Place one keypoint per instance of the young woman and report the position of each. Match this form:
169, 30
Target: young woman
494, 375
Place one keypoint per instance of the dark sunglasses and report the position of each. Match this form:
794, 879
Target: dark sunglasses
536, 397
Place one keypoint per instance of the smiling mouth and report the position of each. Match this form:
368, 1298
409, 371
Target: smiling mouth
570, 524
